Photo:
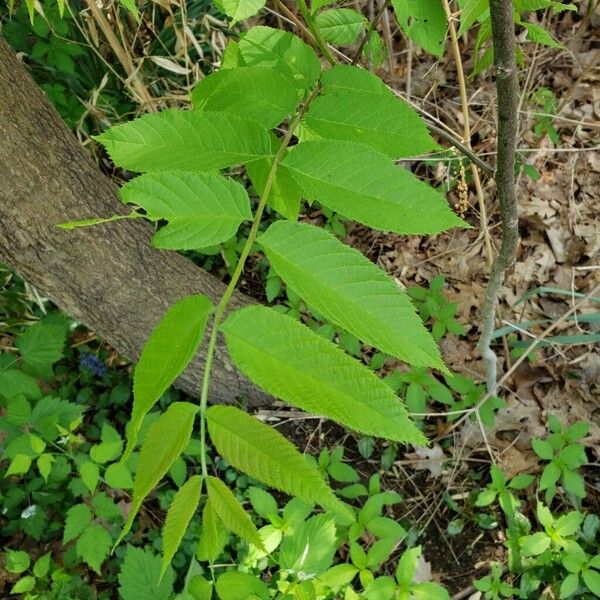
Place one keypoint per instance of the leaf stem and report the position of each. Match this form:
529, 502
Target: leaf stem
223, 303
316, 32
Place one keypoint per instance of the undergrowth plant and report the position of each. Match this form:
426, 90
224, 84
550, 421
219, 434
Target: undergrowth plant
301, 131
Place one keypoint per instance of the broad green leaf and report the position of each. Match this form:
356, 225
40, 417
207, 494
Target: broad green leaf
263, 453
233, 585
536, 33
202, 209
25, 584
317, 5
349, 290
591, 579
181, 510
93, 546
363, 184
340, 26
255, 93
285, 195
14, 382
90, 475
16, 561
355, 106
424, 22
213, 535
290, 361
110, 446
169, 349
231, 512
165, 441
187, 140
263, 503
238, 10
282, 52
41, 345
140, 576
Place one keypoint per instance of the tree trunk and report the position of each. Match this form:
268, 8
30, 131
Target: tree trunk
107, 277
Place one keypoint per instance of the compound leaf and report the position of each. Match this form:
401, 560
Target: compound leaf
290, 361
231, 512
202, 209
181, 510
355, 106
363, 184
263, 453
349, 290
281, 52
187, 140
255, 93
166, 439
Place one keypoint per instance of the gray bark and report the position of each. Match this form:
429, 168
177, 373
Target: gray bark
107, 277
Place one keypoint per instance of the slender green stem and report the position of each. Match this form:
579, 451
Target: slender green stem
223, 303
316, 32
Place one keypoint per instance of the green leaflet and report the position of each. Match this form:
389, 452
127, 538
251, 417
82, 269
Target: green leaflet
166, 439
356, 106
471, 11
263, 453
203, 209
238, 10
424, 22
255, 93
349, 291
231, 512
340, 26
213, 535
290, 361
363, 184
169, 349
285, 195
233, 585
181, 510
187, 140
282, 52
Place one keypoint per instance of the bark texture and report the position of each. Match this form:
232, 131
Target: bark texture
108, 277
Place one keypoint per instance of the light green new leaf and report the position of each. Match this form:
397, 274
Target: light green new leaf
169, 349
187, 140
79, 516
424, 22
213, 535
231, 512
181, 510
255, 93
263, 453
282, 52
203, 209
165, 441
238, 10
355, 106
340, 26
363, 184
290, 361
349, 291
